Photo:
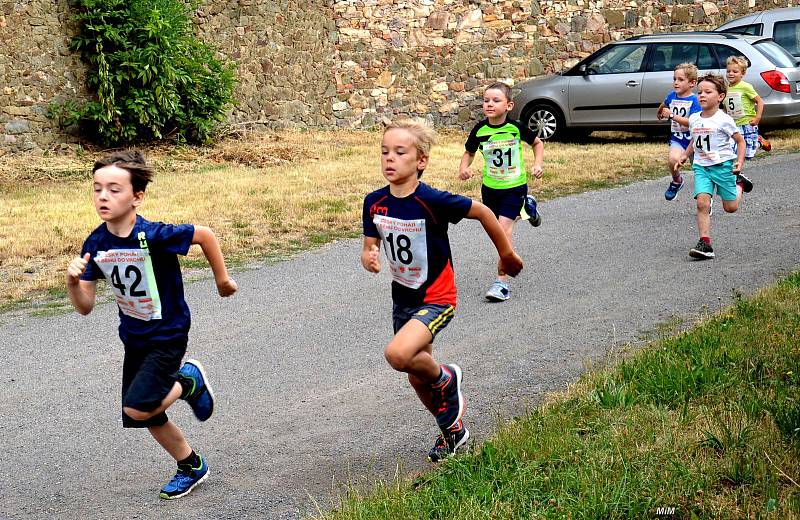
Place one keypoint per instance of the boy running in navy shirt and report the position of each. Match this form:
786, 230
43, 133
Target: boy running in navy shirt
411, 219
138, 258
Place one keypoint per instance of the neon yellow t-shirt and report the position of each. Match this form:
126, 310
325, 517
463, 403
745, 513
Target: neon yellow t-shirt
740, 102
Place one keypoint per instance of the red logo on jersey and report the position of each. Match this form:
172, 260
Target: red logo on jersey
379, 210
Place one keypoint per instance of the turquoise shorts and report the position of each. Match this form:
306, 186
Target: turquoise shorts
721, 176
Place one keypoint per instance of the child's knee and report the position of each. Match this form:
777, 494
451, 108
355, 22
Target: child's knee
703, 204
396, 358
136, 415
730, 206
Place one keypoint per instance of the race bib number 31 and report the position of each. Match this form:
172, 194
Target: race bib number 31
126, 271
405, 245
502, 159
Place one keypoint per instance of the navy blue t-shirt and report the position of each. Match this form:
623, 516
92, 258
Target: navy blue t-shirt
413, 231
143, 271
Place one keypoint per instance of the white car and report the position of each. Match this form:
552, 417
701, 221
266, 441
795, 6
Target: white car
782, 25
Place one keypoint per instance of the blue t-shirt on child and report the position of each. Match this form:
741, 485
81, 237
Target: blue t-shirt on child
683, 107
413, 230
143, 271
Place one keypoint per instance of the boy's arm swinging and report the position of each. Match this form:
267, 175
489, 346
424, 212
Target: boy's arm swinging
81, 292
208, 242
371, 255
538, 158
510, 262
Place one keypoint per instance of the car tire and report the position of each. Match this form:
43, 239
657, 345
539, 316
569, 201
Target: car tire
545, 120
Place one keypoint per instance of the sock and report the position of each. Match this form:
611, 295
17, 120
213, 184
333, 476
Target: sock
192, 460
707, 240
678, 179
444, 377
186, 386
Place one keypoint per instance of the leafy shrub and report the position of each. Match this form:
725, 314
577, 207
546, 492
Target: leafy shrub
153, 79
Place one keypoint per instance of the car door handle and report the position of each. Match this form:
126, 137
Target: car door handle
632, 83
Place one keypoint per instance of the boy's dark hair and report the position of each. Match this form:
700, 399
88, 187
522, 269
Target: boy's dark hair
134, 162
716, 80
502, 87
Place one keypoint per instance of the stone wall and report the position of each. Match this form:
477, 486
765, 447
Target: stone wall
346, 63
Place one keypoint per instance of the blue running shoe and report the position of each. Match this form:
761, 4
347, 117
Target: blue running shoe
448, 399
530, 212
200, 396
185, 480
673, 189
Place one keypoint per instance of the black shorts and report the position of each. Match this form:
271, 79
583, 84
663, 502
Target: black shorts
434, 316
506, 202
148, 375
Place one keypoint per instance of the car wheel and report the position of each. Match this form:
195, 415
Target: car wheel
546, 121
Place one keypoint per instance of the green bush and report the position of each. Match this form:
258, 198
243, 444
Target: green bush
153, 79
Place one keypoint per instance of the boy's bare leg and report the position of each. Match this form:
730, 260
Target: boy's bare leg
422, 388
171, 438
703, 218
171, 397
410, 351
730, 206
674, 158
508, 226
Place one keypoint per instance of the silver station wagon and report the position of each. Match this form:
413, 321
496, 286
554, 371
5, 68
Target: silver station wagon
782, 25
620, 86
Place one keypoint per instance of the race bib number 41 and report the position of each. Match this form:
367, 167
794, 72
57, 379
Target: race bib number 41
405, 245
133, 285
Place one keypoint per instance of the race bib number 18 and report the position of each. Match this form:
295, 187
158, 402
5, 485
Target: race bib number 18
134, 287
405, 245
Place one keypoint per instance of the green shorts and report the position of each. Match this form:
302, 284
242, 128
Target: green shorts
721, 176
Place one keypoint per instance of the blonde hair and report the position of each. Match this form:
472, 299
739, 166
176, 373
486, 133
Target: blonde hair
741, 61
424, 134
689, 69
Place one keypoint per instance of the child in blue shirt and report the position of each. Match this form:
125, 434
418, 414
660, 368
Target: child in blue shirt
411, 220
677, 107
138, 259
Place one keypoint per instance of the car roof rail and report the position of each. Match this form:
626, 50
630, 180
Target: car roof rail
727, 36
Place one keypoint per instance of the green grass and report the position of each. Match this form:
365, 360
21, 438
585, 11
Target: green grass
706, 422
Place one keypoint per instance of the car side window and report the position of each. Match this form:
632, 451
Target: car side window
787, 35
618, 60
755, 29
705, 58
667, 56
724, 52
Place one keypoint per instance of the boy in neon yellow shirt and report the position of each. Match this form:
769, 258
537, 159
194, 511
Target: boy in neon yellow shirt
505, 179
744, 105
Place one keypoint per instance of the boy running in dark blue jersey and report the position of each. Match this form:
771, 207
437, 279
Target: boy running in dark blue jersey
411, 219
138, 258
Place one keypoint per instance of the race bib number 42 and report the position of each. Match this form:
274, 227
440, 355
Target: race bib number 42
405, 245
134, 287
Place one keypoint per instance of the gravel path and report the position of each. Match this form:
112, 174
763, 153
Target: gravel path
306, 401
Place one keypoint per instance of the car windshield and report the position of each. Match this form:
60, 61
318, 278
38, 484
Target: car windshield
779, 56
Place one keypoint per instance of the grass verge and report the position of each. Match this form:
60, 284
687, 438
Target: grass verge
705, 424
266, 195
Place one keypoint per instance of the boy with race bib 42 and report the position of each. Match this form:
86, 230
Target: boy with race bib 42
138, 259
677, 107
715, 165
411, 220
505, 179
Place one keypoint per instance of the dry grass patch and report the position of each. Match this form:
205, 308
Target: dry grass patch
266, 194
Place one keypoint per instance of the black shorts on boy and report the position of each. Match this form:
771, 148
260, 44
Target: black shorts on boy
149, 373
